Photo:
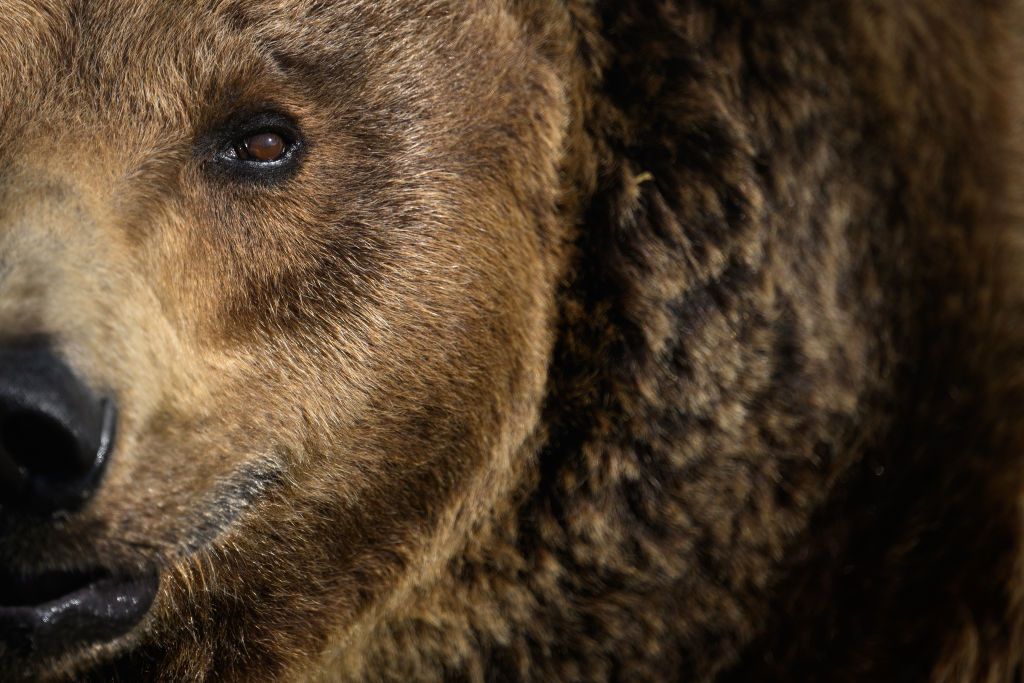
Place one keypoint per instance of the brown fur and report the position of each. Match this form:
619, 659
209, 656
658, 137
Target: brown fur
625, 340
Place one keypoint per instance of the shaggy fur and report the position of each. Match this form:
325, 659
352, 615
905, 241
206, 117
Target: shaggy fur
593, 340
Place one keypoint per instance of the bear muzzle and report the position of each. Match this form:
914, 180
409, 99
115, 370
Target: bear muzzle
56, 435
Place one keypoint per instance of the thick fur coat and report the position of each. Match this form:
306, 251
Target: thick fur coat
668, 340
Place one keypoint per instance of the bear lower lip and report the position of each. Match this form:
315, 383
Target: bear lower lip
51, 612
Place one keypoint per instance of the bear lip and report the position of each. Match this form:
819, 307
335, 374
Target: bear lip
51, 612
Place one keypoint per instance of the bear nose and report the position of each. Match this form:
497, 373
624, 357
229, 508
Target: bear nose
55, 434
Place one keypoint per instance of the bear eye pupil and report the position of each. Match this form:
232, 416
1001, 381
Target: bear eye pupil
263, 147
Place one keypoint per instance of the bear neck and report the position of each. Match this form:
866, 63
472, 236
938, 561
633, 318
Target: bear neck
782, 436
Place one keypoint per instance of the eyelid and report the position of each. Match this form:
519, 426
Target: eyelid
264, 122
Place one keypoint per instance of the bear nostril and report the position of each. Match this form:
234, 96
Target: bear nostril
55, 433
42, 446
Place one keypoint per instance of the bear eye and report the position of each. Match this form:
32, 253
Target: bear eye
265, 147
262, 147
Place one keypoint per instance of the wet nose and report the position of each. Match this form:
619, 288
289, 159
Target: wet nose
55, 433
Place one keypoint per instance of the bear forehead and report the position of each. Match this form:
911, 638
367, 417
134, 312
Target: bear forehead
152, 56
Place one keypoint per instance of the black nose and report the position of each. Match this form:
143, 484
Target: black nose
55, 434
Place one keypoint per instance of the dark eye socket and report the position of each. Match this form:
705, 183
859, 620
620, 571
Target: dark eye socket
263, 147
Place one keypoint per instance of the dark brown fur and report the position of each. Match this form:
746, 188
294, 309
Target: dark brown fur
629, 340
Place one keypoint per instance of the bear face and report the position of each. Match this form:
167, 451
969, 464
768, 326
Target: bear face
364, 326
514, 340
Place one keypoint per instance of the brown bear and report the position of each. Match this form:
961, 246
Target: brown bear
511, 340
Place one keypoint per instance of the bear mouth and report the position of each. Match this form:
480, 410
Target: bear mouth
50, 612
